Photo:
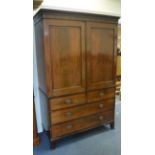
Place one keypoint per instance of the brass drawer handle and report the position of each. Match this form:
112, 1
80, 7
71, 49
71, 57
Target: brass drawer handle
68, 113
101, 94
101, 105
68, 101
100, 117
69, 126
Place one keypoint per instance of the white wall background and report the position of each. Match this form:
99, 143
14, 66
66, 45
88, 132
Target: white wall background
108, 7
111, 7
36, 89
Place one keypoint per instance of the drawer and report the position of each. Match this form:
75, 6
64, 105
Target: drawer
82, 124
101, 94
66, 102
61, 116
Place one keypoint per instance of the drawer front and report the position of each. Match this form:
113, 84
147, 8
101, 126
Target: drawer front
66, 102
81, 111
101, 94
82, 123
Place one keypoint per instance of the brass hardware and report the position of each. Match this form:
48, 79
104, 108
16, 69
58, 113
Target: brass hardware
100, 117
68, 113
69, 126
101, 94
101, 105
68, 101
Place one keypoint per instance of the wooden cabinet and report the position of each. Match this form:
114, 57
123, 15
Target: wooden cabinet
100, 55
76, 58
65, 40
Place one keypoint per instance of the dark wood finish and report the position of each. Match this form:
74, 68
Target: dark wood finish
81, 111
36, 139
82, 123
76, 56
67, 102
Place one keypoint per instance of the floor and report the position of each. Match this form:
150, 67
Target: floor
99, 141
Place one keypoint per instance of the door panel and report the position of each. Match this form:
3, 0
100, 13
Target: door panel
100, 55
67, 56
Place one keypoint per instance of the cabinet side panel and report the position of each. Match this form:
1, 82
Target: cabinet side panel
40, 56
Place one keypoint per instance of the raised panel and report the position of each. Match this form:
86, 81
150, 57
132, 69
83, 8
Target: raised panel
100, 55
67, 57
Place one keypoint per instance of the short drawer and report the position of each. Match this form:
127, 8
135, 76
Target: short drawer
82, 124
66, 102
100, 94
61, 116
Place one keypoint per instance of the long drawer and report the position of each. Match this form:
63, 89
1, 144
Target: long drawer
66, 102
82, 123
100, 95
61, 116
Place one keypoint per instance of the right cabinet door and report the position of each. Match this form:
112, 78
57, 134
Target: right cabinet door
101, 55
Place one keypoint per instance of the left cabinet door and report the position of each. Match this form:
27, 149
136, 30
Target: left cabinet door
64, 44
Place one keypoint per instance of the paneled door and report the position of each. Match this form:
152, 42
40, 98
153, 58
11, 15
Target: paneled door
66, 59
101, 55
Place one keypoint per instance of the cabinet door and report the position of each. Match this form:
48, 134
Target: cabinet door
66, 46
101, 55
